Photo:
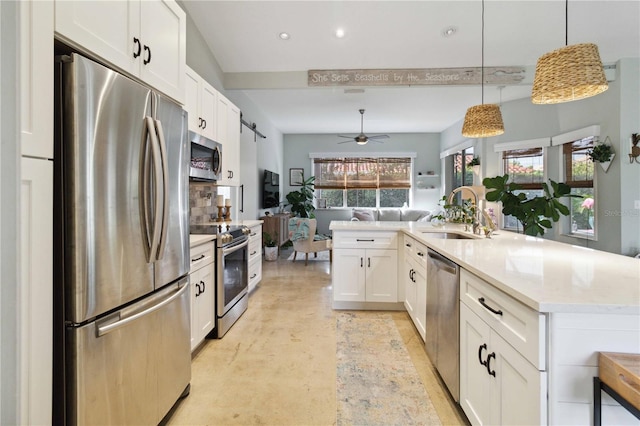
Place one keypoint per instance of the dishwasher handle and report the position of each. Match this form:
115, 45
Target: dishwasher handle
443, 263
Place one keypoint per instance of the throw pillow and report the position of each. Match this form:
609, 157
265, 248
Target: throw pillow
363, 215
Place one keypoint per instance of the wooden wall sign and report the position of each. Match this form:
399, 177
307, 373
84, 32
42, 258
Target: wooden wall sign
416, 77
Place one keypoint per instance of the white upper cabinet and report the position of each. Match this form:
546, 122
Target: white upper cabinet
201, 101
36, 79
228, 134
146, 39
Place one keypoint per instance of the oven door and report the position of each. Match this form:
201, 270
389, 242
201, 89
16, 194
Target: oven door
206, 158
232, 278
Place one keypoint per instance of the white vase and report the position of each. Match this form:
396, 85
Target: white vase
271, 253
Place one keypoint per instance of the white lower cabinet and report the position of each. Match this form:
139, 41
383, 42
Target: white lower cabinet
202, 281
365, 275
35, 292
498, 384
365, 270
255, 256
415, 282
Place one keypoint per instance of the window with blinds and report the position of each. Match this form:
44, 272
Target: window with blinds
363, 182
579, 175
525, 167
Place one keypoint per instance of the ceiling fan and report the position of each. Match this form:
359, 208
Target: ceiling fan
362, 139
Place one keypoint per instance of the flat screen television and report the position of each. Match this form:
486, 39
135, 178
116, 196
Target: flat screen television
270, 190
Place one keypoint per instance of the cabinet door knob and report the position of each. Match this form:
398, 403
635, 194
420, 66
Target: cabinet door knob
198, 291
148, 58
361, 264
480, 349
204, 286
368, 262
491, 355
204, 124
136, 52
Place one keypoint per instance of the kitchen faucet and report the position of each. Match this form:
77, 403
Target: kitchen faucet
477, 213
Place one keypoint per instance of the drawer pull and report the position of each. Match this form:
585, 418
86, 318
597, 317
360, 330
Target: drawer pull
253, 252
362, 240
481, 300
491, 355
480, 348
408, 245
253, 235
253, 276
198, 258
421, 254
361, 262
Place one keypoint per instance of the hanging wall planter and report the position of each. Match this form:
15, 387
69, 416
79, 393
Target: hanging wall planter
603, 154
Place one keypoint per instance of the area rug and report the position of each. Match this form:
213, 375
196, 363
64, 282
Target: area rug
377, 383
323, 256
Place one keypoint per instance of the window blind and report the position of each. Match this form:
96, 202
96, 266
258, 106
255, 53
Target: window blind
362, 173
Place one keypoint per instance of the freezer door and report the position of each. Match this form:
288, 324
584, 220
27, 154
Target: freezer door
173, 249
133, 365
106, 242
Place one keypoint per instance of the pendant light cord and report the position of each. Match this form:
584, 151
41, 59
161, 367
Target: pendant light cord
566, 22
482, 63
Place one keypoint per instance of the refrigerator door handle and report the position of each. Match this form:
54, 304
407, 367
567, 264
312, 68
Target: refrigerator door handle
157, 171
101, 330
165, 190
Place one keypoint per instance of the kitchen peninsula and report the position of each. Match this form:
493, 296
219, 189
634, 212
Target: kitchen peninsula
555, 306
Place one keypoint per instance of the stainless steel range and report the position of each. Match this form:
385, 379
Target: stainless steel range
232, 272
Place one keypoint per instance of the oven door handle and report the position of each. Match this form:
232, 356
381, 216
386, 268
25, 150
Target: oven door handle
229, 250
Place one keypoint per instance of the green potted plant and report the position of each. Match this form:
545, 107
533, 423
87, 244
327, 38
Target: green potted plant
600, 153
270, 246
301, 201
534, 214
475, 161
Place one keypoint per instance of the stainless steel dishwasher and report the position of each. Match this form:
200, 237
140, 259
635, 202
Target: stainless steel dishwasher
443, 319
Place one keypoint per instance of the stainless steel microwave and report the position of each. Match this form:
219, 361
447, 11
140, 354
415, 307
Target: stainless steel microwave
206, 158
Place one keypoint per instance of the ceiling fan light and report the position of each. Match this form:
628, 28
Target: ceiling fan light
568, 74
483, 121
361, 142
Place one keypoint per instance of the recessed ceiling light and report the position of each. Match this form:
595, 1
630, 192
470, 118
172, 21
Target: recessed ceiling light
284, 36
448, 32
339, 33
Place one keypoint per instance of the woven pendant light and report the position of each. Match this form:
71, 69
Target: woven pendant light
485, 120
569, 73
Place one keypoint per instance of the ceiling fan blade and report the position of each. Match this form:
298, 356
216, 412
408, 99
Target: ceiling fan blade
375, 140
378, 137
345, 136
339, 143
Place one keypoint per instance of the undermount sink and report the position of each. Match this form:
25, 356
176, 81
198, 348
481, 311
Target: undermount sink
447, 236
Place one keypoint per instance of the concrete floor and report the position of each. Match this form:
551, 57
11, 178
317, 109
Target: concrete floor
277, 364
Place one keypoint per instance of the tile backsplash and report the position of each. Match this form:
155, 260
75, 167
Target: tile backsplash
202, 202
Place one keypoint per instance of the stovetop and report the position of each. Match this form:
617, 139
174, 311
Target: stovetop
216, 229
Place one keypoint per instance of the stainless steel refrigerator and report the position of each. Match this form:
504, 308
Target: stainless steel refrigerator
124, 231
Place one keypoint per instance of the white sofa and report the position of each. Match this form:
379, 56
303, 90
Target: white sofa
391, 214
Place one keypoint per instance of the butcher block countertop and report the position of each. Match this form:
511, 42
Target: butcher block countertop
621, 372
546, 275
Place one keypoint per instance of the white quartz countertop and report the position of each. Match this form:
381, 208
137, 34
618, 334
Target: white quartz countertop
197, 239
545, 275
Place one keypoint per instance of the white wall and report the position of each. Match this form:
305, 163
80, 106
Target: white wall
9, 225
617, 111
425, 145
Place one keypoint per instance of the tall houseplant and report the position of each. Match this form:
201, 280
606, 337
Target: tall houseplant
534, 214
301, 201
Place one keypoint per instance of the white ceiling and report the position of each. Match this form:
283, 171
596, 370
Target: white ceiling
243, 36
